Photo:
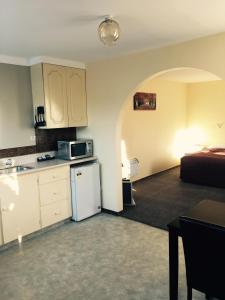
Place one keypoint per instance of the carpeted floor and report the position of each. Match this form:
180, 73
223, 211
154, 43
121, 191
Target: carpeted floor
163, 197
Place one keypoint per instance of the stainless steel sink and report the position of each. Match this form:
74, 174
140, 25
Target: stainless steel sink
21, 168
15, 169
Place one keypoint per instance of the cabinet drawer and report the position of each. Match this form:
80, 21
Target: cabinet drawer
54, 191
54, 174
55, 212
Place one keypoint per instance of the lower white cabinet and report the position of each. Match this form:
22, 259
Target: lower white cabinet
54, 191
1, 239
55, 195
20, 209
33, 201
55, 212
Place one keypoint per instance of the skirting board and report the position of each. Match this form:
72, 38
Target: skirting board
146, 177
111, 212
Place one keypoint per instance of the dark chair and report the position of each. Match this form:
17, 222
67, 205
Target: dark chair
204, 250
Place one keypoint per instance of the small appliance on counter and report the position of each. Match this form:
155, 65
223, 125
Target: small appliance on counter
86, 191
45, 157
78, 149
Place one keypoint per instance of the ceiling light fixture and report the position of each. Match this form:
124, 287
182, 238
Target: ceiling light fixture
109, 31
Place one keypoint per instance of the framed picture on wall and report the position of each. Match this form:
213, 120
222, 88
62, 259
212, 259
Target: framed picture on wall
145, 101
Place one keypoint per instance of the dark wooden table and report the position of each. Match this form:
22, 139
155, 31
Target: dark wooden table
207, 211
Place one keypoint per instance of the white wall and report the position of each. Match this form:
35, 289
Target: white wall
16, 109
206, 110
149, 135
110, 82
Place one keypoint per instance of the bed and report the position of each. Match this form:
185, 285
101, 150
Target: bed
206, 168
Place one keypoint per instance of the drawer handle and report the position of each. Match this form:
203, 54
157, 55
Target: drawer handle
5, 209
57, 213
54, 193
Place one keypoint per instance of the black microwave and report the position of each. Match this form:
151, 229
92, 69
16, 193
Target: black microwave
70, 150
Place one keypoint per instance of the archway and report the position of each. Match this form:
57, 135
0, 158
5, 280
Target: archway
109, 82
165, 161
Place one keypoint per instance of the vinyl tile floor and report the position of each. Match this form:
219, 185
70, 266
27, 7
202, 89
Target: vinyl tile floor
102, 258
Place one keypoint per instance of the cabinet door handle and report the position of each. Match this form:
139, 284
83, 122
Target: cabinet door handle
4, 209
57, 213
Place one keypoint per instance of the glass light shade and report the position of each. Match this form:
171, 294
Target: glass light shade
109, 32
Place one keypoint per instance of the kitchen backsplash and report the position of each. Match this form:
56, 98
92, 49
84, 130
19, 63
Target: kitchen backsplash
46, 140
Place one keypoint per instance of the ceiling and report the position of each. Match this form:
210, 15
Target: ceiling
67, 29
189, 75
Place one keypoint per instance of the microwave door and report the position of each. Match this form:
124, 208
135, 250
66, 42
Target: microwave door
78, 150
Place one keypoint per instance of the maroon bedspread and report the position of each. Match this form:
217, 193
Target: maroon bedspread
207, 168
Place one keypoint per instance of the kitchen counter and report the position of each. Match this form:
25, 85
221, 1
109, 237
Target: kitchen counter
48, 164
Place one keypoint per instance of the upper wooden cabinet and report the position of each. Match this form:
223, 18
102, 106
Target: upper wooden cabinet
54, 80
61, 91
77, 114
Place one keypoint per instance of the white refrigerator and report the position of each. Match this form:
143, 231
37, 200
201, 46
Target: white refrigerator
86, 193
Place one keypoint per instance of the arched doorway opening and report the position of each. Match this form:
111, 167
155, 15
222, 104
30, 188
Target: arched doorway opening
109, 82
180, 123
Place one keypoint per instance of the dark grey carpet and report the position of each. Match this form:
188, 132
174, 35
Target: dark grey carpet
163, 197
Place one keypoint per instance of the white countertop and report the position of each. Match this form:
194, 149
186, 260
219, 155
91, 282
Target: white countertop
48, 164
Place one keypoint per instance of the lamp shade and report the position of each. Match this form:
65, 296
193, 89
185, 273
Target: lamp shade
109, 32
